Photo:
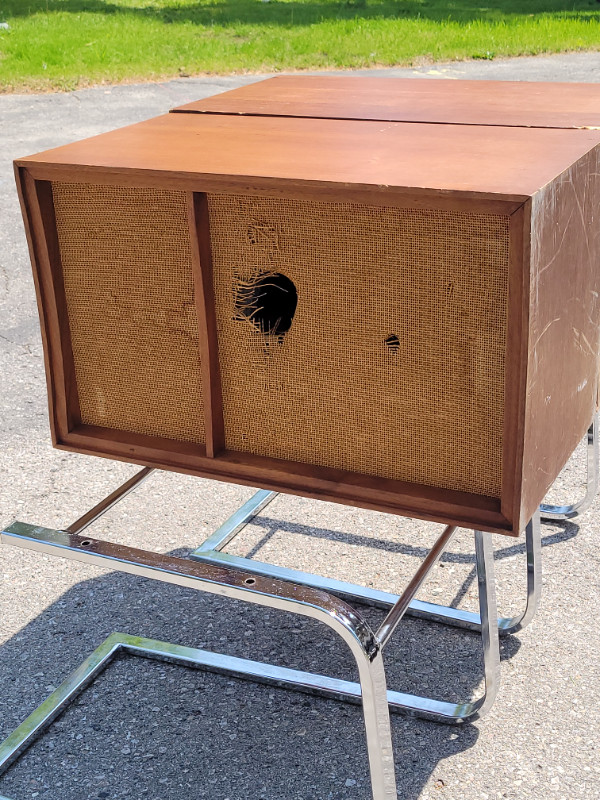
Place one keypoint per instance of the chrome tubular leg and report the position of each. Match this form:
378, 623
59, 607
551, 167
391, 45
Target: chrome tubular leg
399, 609
317, 605
354, 593
35, 724
113, 498
533, 543
371, 692
210, 552
489, 619
449, 712
377, 726
236, 523
441, 711
556, 512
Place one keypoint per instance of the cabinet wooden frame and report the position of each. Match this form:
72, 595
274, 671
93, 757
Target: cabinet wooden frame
213, 460
528, 104
561, 235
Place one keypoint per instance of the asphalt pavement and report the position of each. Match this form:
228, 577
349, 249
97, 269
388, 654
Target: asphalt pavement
147, 729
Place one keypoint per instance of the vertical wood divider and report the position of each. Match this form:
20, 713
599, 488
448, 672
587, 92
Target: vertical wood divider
40, 206
207, 322
516, 363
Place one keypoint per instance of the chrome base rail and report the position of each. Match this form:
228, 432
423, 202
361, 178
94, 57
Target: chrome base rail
154, 565
227, 582
219, 573
211, 552
556, 512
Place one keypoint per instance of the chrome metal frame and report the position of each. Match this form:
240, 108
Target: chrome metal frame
556, 512
211, 552
337, 615
230, 580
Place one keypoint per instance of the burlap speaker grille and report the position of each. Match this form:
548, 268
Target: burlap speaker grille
126, 261
393, 364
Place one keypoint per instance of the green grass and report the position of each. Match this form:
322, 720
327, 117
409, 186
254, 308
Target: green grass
62, 44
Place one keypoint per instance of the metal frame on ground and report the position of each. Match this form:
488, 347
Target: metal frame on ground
211, 570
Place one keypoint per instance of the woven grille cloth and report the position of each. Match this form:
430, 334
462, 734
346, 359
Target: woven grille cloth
426, 408
126, 261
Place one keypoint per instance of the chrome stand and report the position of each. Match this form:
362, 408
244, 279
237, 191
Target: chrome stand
364, 644
242, 579
554, 512
211, 552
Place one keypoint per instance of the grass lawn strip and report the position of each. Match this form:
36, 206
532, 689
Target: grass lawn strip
63, 44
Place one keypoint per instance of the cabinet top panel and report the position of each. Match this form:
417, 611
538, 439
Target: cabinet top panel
506, 103
498, 163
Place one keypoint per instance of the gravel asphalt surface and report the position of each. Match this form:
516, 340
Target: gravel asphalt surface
152, 730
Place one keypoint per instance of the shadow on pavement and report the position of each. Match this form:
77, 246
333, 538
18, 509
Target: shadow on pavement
290, 13
156, 730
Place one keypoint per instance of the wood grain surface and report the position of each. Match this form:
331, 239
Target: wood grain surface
544, 179
205, 309
504, 103
306, 480
564, 324
510, 163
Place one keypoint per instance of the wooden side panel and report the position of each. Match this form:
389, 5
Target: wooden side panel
564, 336
40, 225
516, 363
205, 308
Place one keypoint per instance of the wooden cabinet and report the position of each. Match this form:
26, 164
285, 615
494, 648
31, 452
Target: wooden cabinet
394, 315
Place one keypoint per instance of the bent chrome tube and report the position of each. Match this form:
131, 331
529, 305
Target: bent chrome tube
489, 615
210, 552
108, 502
209, 578
43, 716
238, 521
399, 609
233, 583
533, 545
556, 512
